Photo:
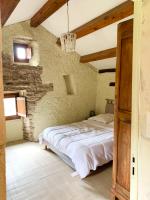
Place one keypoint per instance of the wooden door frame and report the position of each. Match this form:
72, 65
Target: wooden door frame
135, 139
2, 128
135, 108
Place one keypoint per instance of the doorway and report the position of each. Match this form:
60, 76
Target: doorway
134, 128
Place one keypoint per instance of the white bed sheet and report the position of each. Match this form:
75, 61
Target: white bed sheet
89, 143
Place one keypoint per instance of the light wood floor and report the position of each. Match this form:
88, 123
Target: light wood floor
36, 174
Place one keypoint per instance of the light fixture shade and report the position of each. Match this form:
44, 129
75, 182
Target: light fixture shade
68, 42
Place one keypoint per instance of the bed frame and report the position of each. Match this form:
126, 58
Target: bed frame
108, 109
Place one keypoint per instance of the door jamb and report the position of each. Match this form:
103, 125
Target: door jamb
2, 128
135, 139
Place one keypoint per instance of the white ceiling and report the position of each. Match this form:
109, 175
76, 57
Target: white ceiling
25, 10
81, 11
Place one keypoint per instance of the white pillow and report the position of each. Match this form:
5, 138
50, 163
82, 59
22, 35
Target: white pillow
104, 118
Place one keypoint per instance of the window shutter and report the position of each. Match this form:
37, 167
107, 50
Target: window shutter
21, 106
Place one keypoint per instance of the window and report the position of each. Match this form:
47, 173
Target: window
10, 106
22, 52
14, 106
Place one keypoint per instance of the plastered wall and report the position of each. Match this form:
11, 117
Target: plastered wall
56, 107
144, 117
14, 130
104, 91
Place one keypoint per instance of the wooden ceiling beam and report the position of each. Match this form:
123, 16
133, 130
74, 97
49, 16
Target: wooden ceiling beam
112, 84
101, 55
7, 7
50, 7
116, 14
110, 70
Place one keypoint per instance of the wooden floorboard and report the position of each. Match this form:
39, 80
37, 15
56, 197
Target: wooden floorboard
36, 174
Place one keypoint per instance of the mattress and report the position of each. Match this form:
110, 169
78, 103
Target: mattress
88, 144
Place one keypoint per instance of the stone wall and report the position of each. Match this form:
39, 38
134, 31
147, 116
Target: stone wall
28, 79
56, 107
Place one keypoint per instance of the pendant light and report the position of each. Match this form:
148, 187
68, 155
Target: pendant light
68, 40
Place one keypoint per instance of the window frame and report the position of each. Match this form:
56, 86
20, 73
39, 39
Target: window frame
22, 45
12, 95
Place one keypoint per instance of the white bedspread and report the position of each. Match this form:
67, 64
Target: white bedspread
88, 143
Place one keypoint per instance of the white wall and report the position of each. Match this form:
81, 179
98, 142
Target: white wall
14, 130
144, 116
104, 91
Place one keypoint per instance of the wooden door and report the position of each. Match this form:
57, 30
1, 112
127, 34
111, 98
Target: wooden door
2, 131
122, 143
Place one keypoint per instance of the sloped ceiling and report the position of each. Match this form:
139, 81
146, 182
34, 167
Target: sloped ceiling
81, 12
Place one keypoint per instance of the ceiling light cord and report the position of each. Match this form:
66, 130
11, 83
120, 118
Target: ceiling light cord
68, 40
68, 16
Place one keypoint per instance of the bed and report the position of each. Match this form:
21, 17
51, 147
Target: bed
83, 145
